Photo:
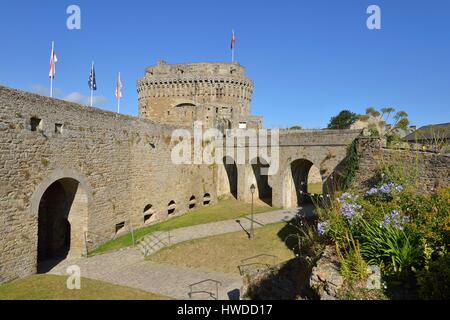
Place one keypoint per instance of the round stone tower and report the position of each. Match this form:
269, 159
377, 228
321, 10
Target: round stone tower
218, 94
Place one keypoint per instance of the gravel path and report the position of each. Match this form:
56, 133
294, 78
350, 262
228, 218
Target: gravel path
127, 267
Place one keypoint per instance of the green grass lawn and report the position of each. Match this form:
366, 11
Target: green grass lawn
315, 188
223, 253
224, 210
52, 287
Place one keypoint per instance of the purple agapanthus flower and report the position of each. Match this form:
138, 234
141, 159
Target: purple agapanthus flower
372, 191
345, 196
384, 189
321, 228
349, 211
395, 220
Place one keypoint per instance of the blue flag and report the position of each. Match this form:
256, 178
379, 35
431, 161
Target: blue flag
92, 82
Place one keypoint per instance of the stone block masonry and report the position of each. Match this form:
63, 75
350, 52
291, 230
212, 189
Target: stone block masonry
121, 166
432, 170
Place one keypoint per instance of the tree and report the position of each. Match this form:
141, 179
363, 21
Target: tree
343, 120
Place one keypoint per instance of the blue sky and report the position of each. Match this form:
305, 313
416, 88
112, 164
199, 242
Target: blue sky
308, 59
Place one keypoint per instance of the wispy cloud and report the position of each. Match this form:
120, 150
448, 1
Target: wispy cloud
82, 99
75, 97
45, 91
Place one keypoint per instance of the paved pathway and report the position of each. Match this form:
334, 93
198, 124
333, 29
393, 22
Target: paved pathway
127, 267
233, 225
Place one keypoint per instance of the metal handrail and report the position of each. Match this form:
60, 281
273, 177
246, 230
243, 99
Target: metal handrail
159, 240
217, 283
242, 266
267, 265
260, 255
87, 233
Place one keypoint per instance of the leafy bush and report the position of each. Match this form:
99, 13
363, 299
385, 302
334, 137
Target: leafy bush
434, 282
404, 232
389, 247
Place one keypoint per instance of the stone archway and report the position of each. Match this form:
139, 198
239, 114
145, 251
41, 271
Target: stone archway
228, 178
298, 180
62, 211
260, 179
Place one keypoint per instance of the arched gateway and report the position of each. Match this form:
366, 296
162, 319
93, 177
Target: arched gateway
297, 182
62, 210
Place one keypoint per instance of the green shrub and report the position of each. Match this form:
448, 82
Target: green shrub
434, 282
388, 247
348, 173
402, 230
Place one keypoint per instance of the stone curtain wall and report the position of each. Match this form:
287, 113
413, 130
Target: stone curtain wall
122, 163
432, 169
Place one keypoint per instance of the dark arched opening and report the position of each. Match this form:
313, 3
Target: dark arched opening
232, 175
171, 207
306, 180
148, 213
206, 199
260, 170
61, 223
192, 202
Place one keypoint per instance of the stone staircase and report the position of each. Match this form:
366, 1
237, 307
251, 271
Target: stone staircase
153, 242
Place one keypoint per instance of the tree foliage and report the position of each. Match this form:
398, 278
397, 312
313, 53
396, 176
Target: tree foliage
343, 120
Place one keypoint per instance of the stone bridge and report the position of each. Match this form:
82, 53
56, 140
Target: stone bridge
299, 152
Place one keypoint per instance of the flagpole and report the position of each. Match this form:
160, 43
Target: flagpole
53, 68
92, 83
118, 94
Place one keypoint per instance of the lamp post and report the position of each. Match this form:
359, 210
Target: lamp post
252, 231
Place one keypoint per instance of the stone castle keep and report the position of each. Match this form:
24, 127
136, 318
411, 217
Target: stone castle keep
217, 94
74, 177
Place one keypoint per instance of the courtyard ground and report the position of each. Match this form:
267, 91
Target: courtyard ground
53, 287
224, 253
223, 210
127, 266
216, 247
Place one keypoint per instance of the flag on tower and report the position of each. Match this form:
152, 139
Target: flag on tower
52, 71
53, 60
233, 40
92, 82
119, 88
118, 92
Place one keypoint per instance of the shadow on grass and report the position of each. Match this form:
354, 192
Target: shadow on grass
289, 280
